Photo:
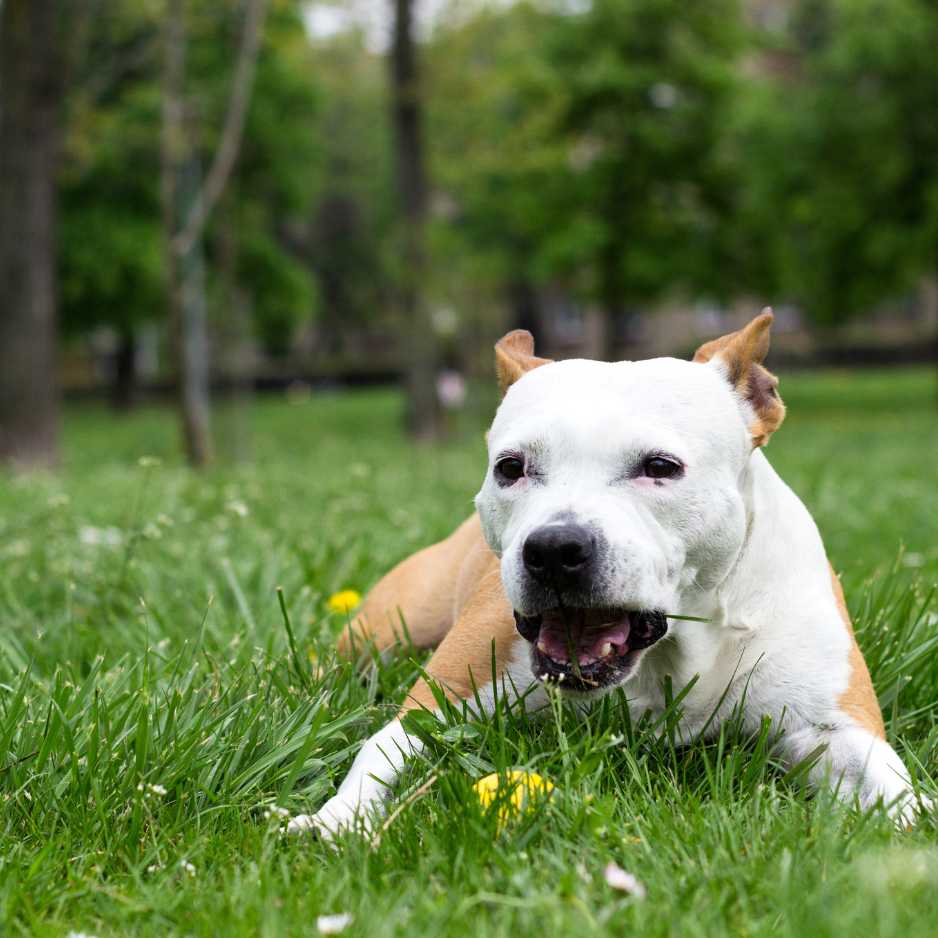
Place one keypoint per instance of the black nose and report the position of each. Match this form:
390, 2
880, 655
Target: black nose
558, 554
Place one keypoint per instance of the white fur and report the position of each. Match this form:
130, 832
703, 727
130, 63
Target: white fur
728, 541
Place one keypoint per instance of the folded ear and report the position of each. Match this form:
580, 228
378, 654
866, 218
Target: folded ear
514, 357
740, 356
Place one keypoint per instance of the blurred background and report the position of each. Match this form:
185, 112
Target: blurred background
204, 201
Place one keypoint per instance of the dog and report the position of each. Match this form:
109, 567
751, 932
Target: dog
631, 529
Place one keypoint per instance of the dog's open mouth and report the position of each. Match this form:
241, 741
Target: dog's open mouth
586, 649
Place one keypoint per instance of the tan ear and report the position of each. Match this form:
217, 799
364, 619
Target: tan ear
741, 354
514, 357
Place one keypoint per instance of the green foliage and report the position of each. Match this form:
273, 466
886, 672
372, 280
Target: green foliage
351, 223
841, 182
283, 289
618, 150
110, 236
588, 146
152, 713
112, 242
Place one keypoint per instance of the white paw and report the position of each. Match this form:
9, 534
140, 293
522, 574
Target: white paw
907, 810
334, 817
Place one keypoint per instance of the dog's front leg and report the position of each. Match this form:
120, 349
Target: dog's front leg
360, 798
854, 764
463, 667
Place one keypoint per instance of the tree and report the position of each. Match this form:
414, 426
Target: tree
589, 147
31, 74
423, 415
109, 189
645, 87
355, 201
849, 214
187, 206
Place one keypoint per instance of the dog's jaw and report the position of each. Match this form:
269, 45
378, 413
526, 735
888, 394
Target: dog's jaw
587, 651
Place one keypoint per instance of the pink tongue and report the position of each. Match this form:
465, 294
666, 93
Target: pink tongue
555, 641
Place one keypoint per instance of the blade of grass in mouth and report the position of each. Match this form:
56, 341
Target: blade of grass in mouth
671, 615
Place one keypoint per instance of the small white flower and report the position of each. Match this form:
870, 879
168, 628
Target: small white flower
275, 811
100, 537
187, 867
154, 867
618, 878
157, 790
238, 508
333, 924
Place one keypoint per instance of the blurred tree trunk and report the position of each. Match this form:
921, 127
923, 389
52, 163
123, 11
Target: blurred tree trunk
184, 286
187, 207
423, 409
233, 334
31, 75
526, 306
124, 384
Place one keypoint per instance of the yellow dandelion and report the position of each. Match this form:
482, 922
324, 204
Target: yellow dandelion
515, 793
344, 601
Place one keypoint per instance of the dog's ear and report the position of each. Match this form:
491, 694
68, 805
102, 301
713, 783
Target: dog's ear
514, 357
740, 356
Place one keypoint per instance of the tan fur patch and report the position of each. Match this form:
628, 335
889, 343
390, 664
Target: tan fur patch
463, 662
514, 357
743, 353
422, 590
858, 701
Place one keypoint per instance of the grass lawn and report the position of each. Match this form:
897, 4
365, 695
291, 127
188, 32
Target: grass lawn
152, 712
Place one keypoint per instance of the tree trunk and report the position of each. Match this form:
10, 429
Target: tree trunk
187, 206
30, 81
185, 283
423, 409
526, 306
124, 383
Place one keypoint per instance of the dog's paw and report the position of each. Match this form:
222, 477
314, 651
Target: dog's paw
336, 816
908, 809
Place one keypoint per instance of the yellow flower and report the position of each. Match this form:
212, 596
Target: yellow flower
344, 601
515, 793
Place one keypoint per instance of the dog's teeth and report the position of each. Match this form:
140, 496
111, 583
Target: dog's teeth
605, 650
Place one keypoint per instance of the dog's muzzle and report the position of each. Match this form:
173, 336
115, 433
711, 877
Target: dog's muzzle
585, 649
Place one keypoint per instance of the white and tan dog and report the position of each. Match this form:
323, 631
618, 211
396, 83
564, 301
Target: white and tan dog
615, 495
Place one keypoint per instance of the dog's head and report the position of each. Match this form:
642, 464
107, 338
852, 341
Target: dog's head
616, 491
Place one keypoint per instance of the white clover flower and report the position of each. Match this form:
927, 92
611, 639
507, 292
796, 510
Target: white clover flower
333, 924
237, 507
91, 536
618, 878
187, 867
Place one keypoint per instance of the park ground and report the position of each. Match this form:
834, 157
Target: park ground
156, 711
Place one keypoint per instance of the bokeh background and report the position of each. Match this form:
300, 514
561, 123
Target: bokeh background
202, 202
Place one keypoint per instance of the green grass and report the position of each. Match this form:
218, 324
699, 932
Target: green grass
142, 643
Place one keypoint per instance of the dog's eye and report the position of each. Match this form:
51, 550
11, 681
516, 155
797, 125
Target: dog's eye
661, 467
509, 469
